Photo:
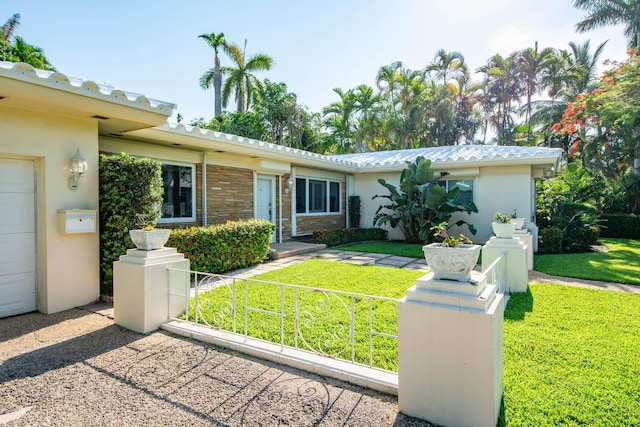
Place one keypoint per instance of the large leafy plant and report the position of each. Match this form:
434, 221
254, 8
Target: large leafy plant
420, 202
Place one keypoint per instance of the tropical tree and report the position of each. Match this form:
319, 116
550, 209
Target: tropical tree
338, 119
8, 28
501, 92
602, 13
240, 79
16, 49
214, 75
532, 68
447, 65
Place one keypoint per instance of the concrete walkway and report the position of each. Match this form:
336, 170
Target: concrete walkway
77, 368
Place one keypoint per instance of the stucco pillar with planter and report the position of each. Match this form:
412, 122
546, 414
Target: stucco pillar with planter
141, 288
516, 272
450, 351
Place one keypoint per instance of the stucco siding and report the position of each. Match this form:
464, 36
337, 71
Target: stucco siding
68, 265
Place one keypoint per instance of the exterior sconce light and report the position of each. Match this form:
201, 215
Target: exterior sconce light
289, 186
77, 167
549, 172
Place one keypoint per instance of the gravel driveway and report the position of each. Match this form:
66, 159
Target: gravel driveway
77, 368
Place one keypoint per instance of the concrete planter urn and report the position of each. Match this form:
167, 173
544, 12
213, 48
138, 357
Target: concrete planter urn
519, 222
503, 231
148, 240
451, 262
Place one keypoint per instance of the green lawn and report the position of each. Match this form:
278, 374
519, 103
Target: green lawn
572, 357
571, 354
621, 264
319, 312
385, 247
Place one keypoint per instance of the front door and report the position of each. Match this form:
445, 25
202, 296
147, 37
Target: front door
17, 237
265, 203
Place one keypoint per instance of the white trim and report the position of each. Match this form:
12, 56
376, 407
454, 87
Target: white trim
192, 218
272, 196
294, 201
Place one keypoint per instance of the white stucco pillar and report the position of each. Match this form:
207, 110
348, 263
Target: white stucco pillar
450, 352
525, 237
141, 288
516, 272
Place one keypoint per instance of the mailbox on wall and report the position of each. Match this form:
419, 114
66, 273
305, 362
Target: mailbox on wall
76, 221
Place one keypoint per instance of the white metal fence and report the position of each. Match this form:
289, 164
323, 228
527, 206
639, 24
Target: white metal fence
496, 272
354, 327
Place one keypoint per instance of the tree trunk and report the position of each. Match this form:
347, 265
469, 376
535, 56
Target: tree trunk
217, 85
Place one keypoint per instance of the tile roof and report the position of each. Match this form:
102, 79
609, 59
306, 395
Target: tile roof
25, 72
450, 154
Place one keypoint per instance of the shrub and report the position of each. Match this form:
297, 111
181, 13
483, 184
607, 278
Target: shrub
224, 247
130, 191
626, 226
420, 202
354, 211
341, 236
551, 240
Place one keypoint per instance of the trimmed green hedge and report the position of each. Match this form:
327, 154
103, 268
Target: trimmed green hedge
130, 191
341, 236
625, 226
224, 247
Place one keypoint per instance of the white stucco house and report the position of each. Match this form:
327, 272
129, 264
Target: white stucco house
51, 263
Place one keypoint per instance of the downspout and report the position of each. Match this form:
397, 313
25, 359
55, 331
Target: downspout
280, 208
204, 189
294, 232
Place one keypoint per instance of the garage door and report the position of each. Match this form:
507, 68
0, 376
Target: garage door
17, 237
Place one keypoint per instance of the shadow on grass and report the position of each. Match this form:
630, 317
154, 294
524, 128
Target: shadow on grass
519, 304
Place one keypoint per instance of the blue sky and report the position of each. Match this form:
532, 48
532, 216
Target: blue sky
151, 47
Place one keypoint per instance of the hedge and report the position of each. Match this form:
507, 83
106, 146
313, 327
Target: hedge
341, 236
130, 191
626, 226
224, 247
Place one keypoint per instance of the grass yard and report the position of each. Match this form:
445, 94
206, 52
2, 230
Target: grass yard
324, 318
621, 264
572, 358
572, 355
385, 247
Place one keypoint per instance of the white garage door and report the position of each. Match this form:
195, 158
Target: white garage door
17, 237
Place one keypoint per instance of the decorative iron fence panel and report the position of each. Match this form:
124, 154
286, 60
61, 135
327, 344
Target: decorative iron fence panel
358, 328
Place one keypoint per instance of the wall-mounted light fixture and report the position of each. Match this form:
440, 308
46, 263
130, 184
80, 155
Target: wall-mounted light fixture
289, 186
549, 172
77, 167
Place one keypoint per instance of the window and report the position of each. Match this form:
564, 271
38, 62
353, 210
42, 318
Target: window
315, 196
465, 186
179, 193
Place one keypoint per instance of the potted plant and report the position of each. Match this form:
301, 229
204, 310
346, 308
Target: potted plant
519, 222
149, 238
453, 258
503, 228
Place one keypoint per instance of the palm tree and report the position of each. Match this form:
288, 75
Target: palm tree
32, 55
585, 65
338, 117
601, 13
9, 27
501, 91
451, 63
532, 66
213, 75
387, 79
240, 80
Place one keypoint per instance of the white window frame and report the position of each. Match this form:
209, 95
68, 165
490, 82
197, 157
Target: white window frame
474, 191
192, 218
328, 183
